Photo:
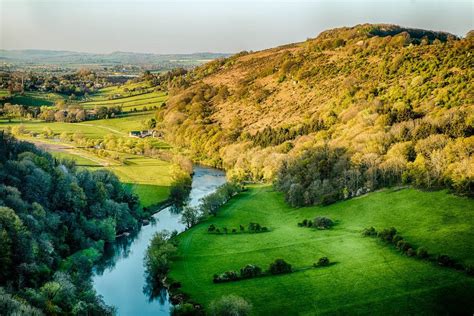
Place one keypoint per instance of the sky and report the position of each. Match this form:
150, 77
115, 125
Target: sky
188, 26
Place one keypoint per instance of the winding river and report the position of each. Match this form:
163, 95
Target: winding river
120, 278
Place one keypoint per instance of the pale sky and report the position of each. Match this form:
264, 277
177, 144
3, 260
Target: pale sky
187, 26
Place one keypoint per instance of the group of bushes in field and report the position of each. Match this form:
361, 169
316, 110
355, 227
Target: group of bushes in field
391, 236
251, 228
320, 222
279, 266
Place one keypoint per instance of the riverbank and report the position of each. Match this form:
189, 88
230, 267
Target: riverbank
121, 279
410, 285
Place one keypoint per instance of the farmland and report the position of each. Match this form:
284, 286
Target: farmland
148, 177
368, 276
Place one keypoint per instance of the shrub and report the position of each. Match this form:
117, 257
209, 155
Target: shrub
242, 228
300, 225
422, 253
322, 262
305, 222
226, 277
218, 230
255, 227
403, 245
230, 305
396, 238
225, 230
234, 230
264, 229
250, 271
185, 309
280, 266
445, 260
211, 228
369, 231
310, 224
322, 222
469, 269
411, 252
387, 234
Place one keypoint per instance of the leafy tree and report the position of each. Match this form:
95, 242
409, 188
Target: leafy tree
230, 305
190, 216
279, 266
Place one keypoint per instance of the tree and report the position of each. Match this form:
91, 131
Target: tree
230, 305
279, 266
80, 116
190, 216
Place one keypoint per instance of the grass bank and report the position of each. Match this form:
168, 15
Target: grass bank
369, 277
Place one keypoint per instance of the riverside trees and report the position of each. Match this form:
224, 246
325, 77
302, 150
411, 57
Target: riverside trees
53, 217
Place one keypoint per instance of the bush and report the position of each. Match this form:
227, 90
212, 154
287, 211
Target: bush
226, 277
230, 305
387, 234
211, 228
396, 238
280, 266
469, 269
369, 231
403, 245
422, 253
234, 230
305, 222
185, 309
411, 252
250, 271
242, 228
322, 222
445, 261
264, 229
322, 262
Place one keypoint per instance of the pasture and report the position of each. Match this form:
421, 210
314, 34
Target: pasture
368, 277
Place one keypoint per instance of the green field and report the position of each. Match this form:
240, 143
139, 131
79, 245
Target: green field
369, 277
131, 103
119, 126
35, 98
149, 178
4, 93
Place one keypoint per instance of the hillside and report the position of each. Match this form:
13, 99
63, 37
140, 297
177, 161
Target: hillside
396, 99
367, 276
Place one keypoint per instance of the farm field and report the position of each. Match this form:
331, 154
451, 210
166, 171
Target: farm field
34, 98
368, 277
147, 177
136, 102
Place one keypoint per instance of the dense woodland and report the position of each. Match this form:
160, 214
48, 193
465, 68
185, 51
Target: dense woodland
350, 111
54, 222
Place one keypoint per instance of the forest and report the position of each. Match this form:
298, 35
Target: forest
55, 220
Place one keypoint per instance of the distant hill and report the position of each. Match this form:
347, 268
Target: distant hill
49, 57
385, 93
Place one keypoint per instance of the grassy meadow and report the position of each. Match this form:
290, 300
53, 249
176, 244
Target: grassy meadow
368, 277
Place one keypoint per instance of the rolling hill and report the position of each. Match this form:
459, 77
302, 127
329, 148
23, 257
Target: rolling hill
389, 96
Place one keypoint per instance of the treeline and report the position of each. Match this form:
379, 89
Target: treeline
270, 136
54, 222
323, 175
61, 113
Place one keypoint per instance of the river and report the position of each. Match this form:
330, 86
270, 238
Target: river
120, 279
